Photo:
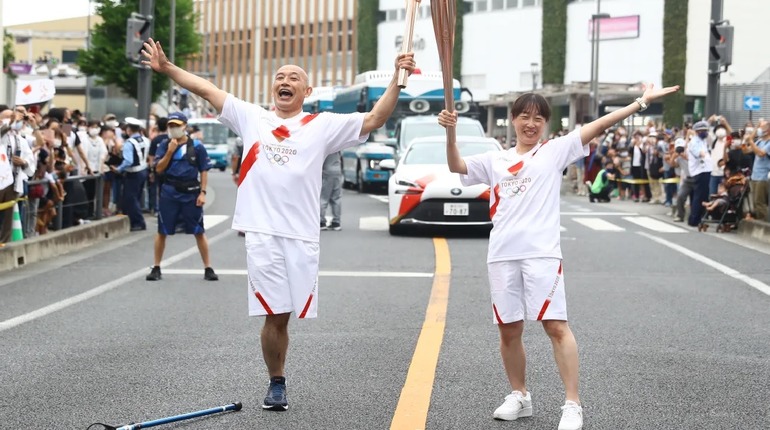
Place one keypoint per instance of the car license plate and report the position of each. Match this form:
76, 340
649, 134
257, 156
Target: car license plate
455, 209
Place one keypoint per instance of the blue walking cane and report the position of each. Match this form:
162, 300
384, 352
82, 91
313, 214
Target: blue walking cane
231, 407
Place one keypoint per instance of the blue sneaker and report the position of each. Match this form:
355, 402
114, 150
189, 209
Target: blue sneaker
276, 395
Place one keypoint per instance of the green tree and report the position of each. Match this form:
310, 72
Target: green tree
106, 57
369, 16
8, 54
674, 59
554, 48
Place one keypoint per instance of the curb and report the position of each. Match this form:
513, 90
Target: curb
55, 243
756, 230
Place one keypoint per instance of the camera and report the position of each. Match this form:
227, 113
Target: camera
679, 149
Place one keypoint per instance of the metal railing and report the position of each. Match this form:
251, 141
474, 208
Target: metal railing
96, 203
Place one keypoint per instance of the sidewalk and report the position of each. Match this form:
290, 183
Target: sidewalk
54, 243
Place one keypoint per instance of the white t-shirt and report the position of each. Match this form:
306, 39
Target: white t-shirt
280, 193
717, 155
95, 151
524, 202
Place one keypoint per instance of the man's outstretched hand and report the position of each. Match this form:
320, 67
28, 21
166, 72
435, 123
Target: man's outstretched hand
154, 56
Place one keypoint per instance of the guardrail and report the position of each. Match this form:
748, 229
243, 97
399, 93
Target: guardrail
96, 203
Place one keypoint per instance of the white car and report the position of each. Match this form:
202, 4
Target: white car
423, 192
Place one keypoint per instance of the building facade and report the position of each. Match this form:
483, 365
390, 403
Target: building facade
245, 41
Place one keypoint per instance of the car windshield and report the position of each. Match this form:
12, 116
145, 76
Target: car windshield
213, 134
435, 152
434, 129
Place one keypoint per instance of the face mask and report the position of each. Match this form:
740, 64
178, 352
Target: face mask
760, 132
152, 123
93, 132
18, 125
27, 131
749, 130
623, 140
112, 123
703, 134
176, 132
721, 133
82, 128
735, 145
57, 143
6, 122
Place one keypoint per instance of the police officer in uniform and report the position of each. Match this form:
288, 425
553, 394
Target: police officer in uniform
179, 161
134, 168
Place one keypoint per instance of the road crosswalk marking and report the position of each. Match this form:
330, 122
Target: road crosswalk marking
598, 224
324, 273
653, 224
375, 223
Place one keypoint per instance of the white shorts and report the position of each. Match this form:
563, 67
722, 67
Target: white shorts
530, 289
282, 275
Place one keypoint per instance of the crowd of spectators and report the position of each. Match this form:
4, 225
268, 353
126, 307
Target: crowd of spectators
66, 168
665, 166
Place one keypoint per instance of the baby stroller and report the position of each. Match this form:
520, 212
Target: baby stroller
728, 216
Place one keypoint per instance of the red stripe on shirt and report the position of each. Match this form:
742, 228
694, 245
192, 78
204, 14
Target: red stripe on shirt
307, 306
308, 118
249, 161
264, 303
493, 209
494, 308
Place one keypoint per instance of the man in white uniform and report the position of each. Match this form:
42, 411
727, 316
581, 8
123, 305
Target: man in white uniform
279, 192
524, 261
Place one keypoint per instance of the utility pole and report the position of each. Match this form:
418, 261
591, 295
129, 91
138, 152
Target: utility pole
595, 60
712, 95
144, 96
171, 52
2, 74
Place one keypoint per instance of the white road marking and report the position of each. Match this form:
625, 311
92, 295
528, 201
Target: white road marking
561, 228
654, 225
754, 283
329, 273
62, 304
383, 199
598, 224
210, 221
599, 213
377, 223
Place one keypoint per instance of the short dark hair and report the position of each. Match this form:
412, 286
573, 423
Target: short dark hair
162, 124
56, 113
533, 104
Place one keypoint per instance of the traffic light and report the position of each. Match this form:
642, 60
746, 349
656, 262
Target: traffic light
138, 29
721, 44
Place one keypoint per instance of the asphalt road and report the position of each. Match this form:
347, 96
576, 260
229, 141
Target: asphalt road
672, 324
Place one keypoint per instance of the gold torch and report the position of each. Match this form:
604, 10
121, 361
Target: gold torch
443, 13
407, 42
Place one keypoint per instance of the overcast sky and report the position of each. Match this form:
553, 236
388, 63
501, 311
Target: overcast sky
16, 12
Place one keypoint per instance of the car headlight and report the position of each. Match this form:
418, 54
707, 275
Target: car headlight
411, 187
374, 164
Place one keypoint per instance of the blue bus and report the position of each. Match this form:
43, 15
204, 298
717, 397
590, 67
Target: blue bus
320, 100
424, 95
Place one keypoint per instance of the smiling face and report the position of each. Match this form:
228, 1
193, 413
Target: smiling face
290, 87
530, 114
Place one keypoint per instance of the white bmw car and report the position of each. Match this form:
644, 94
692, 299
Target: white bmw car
423, 192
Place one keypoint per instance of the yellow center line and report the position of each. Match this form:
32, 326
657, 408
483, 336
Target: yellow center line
412, 409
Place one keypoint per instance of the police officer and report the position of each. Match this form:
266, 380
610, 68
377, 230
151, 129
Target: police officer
134, 166
182, 192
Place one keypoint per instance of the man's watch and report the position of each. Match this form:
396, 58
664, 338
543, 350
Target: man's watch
203, 191
642, 104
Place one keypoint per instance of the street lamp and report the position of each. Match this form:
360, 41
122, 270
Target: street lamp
535, 72
595, 35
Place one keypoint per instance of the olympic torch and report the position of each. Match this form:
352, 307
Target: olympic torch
443, 14
407, 42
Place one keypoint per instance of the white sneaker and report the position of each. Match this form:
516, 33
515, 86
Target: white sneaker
516, 405
571, 416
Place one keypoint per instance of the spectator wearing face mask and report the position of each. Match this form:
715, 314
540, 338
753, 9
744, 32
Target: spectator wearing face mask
760, 172
699, 163
95, 152
721, 131
111, 121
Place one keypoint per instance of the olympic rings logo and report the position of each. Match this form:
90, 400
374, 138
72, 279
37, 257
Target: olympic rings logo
515, 190
278, 159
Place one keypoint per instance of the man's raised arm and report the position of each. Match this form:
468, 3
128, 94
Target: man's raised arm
157, 60
383, 109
